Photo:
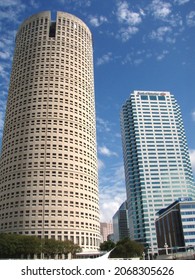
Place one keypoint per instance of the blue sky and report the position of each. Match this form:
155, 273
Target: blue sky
138, 45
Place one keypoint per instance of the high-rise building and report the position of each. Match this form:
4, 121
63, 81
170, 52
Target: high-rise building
120, 223
106, 229
48, 167
156, 160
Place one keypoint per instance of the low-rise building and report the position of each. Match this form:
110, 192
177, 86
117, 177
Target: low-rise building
175, 226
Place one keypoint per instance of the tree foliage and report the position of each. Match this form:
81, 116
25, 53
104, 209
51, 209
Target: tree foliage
107, 245
127, 248
22, 246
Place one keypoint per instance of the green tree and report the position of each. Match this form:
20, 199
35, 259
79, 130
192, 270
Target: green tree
17, 246
72, 248
7, 246
27, 246
107, 245
52, 247
21, 246
127, 248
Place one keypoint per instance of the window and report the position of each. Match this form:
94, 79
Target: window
152, 97
161, 97
144, 97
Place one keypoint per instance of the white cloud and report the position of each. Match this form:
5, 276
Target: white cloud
7, 39
118, 135
2, 104
135, 57
101, 164
125, 15
138, 61
127, 59
126, 33
97, 21
181, 2
106, 152
160, 33
129, 20
119, 173
112, 192
77, 3
160, 9
102, 125
4, 72
192, 158
34, 4
190, 19
6, 15
2, 115
4, 93
193, 116
4, 54
9, 3
113, 177
11, 9
7, 46
109, 207
104, 59
162, 55
171, 40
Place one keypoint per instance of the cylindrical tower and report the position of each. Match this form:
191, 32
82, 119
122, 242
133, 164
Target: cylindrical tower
48, 168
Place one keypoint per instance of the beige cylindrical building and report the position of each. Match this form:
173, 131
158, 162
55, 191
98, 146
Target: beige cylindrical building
48, 167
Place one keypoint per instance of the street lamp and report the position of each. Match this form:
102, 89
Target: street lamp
149, 252
166, 248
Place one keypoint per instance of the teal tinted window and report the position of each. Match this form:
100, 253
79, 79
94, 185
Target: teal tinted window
144, 97
152, 97
161, 97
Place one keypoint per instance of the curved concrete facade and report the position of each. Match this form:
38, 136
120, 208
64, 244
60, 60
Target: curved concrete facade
48, 171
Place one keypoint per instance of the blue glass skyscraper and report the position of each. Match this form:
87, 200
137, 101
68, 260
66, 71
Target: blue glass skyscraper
156, 160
